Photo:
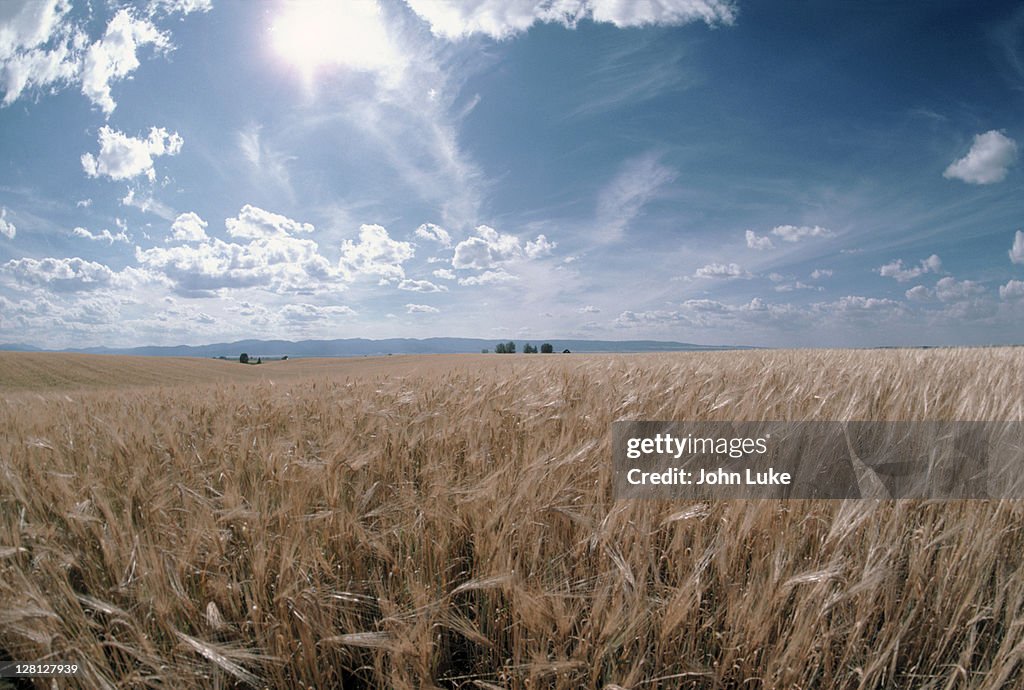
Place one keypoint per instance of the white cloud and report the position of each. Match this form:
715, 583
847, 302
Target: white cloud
273, 260
501, 19
622, 200
895, 269
795, 233
376, 254
61, 275
818, 273
188, 227
83, 203
148, 204
445, 274
858, 304
1013, 290
182, 7
434, 233
255, 223
114, 56
267, 163
755, 241
122, 157
421, 286
919, 293
489, 278
7, 228
44, 47
717, 270
988, 161
1017, 250
421, 309
103, 236
949, 289
535, 249
36, 49
491, 248
307, 313
798, 285
589, 309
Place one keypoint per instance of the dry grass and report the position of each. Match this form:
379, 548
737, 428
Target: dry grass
454, 528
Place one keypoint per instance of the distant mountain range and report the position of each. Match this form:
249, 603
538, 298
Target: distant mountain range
353, 347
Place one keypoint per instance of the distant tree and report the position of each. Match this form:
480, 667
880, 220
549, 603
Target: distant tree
484, 351
566, 351
500, 348
529, 349
243, 358
284, 358
547, 348
510, 347
259, 360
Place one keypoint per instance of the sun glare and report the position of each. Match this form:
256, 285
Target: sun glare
313, 34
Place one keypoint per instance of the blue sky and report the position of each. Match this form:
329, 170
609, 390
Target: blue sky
782, 174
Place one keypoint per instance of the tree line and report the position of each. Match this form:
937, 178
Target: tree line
509, 348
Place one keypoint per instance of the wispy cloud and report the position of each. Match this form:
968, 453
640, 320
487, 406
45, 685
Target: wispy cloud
639, 181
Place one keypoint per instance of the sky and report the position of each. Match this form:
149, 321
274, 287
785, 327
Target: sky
784, 174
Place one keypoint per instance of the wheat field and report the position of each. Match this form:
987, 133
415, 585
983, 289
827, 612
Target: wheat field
421, 522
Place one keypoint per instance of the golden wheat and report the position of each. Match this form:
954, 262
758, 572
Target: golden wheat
452, 526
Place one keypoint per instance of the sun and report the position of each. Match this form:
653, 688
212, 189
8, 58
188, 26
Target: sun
317, 34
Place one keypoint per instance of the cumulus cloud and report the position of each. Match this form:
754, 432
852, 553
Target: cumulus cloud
535, 249
376, 254
254, 223
421, 309
445, 274
182, 7
434, 233
308, 313
589, 309
103, 236
858, 304
489, 278
122, 157
501, 19
189, 227
115, 56
798, 285
1013, 290
795, 233
273, 259
490, 248
7, 228
819, 273
421, 286
44, 47
919, 293
755, 241
949, 289
896, 269
36, 49
622, 200
1017, 250
717, 270
60, 275
988, 160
